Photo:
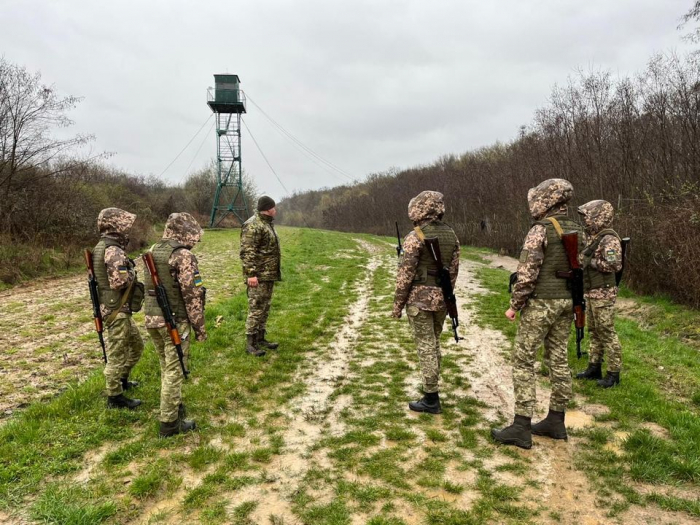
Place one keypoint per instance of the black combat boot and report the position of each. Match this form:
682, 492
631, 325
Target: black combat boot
264, 342
552, 426
429, 403
121, 401
592, 372
252, 346
126, 384
518, 434
179, 426
611, 379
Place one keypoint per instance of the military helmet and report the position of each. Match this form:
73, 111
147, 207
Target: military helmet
183, 228
597, 215
115, 221
548, 195
426, 205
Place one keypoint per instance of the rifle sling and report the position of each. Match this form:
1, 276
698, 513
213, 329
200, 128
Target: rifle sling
110, 319
557, 226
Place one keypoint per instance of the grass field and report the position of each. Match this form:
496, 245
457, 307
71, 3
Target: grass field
318, 432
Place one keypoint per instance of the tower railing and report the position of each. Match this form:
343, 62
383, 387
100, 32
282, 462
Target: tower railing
226, 96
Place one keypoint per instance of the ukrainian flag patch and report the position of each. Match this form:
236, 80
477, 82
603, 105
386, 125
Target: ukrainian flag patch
123, 269
197, 279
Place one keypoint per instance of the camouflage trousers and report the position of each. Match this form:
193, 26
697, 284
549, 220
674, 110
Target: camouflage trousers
427, 327
171, 376
545, 321
601, 330
124, 347
259, 299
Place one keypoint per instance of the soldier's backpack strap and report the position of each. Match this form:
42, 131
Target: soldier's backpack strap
556, 225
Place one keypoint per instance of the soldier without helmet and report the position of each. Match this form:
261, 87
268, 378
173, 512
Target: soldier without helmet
178, 270
545, 305
261, 260
120, 294
419, 292
601, 259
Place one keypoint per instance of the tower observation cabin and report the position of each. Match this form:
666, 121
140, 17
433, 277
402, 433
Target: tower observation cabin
227, 102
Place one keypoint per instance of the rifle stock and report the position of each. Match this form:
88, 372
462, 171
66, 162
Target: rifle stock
399, 248
162, 298
625, 246
95, 300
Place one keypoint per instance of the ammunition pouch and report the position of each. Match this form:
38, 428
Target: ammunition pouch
138, 294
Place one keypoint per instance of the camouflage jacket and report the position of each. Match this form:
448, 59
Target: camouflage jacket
184, 269
260, 249
121, 272
529, 269
424, 297
606, 259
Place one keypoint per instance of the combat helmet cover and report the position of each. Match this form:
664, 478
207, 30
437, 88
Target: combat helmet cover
183, 228
427, 205
548, 195
597, 215
115, 221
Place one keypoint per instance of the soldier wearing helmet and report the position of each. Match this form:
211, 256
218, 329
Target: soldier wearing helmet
178, 270
120, 294
602, 258
545, 306
418, 291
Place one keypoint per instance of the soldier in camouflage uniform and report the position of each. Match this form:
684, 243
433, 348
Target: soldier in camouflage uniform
117, 283
419, 292
545, 306
261, 258
602, 258
178, 270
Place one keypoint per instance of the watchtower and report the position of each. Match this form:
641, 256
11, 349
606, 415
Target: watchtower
227, 101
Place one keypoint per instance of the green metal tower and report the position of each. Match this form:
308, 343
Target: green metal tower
227, 101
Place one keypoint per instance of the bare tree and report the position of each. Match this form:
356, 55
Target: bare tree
692, 16
29, 112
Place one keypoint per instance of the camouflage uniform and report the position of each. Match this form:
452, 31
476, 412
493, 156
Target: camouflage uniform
261, 258
123, 342
183, 232
542, 319
601, 259
424, 303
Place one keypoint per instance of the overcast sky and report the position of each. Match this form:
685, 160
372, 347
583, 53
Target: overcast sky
368, 85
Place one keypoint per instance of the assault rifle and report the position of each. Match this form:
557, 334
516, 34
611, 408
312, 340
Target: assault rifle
399, 248
95, 300
164, 304
625, 246
445, 282
575, 278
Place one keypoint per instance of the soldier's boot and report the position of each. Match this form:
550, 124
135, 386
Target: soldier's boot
264, 342
611, 379
592, 372
179, 426
552, 426
429, 403
518, 434
252, 346
126, 384
121, 401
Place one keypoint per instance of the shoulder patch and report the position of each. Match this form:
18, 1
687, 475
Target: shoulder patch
123, 269
610, 256
197, 279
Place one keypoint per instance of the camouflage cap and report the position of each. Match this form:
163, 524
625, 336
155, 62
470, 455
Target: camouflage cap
548, 195
115, 221
426, 205
597, 215
183, 228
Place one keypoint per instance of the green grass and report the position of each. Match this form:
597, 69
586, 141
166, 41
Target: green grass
660, 381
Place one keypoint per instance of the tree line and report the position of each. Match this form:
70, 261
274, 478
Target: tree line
634, 141
51, 191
